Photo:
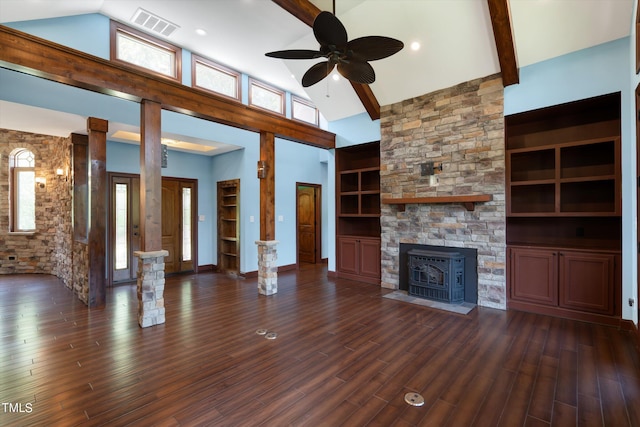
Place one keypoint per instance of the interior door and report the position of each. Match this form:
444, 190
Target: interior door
308, 223
171, 225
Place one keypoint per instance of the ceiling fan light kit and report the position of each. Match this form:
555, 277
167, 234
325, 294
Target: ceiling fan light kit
350, 57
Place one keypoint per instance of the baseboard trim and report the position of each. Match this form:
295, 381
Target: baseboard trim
359, 278
601, 319
282, 268
207, 268
249, 274
287, 267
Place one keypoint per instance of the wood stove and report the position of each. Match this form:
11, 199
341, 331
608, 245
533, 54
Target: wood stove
436, 275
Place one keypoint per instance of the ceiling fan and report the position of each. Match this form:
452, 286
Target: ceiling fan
351, 57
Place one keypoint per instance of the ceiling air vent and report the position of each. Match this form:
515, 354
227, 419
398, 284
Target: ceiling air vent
153, 22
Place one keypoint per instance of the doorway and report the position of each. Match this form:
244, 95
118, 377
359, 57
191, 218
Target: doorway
308, 223
179, 233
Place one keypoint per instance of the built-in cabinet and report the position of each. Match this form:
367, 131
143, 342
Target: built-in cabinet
228, 227
570, 279
563, 205
359, 256
358, 212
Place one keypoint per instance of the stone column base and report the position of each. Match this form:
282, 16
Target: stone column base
267, 269
150, 287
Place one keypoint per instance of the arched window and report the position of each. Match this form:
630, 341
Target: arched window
22, 175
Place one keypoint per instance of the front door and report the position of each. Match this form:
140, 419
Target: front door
178, 225
124, 227
178, 216
308, 222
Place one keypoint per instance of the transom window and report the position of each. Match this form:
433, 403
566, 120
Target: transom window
265, 96
144, 51
215, 78
304, 111
22, 185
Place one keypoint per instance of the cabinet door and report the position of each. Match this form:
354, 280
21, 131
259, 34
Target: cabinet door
348, 255
370, 257
586, 281
534, 275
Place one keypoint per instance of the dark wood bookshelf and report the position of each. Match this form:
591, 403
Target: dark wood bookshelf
228, 226
563, 203
358, 212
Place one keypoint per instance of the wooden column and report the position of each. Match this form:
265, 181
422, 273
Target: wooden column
97, 130
150, 177
268, 187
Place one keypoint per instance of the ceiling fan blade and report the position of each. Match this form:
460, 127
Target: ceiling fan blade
357, 71
329, 31
316, 73
372, 48
295, 54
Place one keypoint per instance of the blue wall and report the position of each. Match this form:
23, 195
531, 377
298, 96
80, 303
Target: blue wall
358, 129
87, 33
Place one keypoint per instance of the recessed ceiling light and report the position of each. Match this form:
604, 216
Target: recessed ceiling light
201, 32
415, 46
336, 76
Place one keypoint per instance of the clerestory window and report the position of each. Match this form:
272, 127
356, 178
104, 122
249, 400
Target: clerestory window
265, 96
215, 78
144, 51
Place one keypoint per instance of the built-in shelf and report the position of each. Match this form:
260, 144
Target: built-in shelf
469, 201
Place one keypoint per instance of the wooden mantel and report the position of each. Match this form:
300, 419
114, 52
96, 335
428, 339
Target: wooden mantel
469, 201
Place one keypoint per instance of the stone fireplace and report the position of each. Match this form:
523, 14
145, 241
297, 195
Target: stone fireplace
462, 129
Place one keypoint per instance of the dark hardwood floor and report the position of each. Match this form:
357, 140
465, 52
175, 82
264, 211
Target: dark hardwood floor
343, 356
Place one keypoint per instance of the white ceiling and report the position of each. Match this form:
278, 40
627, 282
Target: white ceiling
456, 37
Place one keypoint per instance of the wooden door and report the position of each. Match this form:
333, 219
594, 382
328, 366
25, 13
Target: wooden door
534, 275
171, 225
308, 222
587, 281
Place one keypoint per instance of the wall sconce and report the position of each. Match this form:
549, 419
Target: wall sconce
60, 174
262, 169
41, 182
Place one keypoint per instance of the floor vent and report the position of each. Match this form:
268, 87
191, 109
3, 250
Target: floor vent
153, 22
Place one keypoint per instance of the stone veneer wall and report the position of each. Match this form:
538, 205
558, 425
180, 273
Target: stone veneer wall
80, 271
463, 128
48, 250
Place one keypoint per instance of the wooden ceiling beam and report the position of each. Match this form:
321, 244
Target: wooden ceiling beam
503, 36
42, 58
306, 12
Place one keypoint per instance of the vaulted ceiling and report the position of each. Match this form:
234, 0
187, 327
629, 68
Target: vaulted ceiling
456, 37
